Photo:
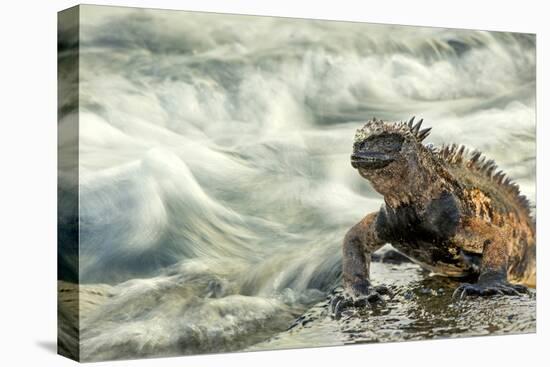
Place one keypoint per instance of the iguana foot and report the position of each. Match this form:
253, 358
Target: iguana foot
350, 297
488, 289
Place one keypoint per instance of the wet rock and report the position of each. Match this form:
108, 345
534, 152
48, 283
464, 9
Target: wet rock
422, 308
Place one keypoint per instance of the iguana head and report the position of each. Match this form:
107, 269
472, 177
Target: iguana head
388, 153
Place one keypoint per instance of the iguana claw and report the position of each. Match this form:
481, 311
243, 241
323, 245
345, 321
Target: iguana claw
347, 299
488, 289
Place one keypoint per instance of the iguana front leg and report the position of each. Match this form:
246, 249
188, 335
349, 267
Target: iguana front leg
494, 262
359, 243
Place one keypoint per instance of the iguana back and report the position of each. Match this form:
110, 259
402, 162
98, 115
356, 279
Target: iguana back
491, 195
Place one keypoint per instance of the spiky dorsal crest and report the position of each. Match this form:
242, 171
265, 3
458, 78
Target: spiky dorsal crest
415, 129
459, 155
406, 129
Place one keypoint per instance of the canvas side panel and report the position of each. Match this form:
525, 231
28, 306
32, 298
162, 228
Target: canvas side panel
68, 331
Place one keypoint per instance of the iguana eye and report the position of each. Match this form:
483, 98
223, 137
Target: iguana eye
389, 144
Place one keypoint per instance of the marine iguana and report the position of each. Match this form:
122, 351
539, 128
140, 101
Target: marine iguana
447, 209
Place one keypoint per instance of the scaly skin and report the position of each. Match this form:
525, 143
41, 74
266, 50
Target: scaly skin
445, 209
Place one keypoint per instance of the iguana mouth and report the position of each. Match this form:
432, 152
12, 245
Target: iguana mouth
370, 160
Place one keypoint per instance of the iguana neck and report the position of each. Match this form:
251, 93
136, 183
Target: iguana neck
421, 184
419, 197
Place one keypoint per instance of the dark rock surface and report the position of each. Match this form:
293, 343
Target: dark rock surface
421, 308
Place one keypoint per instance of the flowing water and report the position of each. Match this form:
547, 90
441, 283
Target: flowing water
215, 183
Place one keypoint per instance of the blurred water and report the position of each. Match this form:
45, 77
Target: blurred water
214, 160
